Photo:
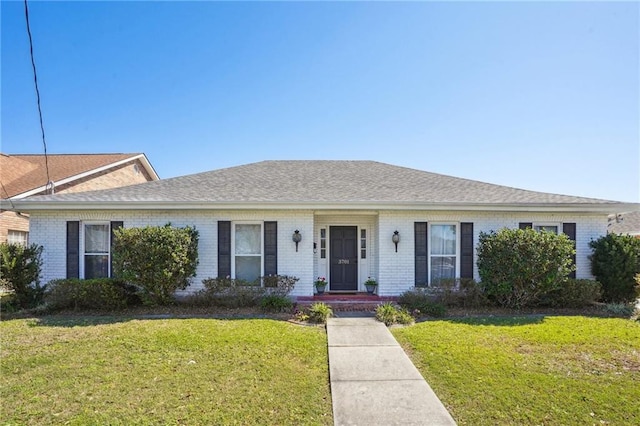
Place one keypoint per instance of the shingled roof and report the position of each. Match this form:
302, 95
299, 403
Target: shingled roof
626, 223
21, 173
313, 184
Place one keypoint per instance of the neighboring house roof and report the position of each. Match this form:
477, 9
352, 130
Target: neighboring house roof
320, 185
625, 223
24, 175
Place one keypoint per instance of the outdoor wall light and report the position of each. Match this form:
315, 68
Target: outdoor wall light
396, 239
296, 237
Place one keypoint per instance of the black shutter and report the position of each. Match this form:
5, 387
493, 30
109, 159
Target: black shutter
224, 248
114, 225
271, 248
466, 250
73, 249
570, 230
421, 253
525, 225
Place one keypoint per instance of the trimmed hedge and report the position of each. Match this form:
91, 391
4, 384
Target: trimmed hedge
518, 267
20, 269
98, 294
615, 261
574, 293
158, 259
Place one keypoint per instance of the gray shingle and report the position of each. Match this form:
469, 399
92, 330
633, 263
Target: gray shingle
320, 182
628, 223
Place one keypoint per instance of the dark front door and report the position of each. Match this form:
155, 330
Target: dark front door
343, 243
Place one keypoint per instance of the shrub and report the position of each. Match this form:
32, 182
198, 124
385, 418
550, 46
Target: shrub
20, 269
462, 292
624, 310
519, 266
280, 285
614, 262
8, 303
229, 293
390, 314
574, 294
423, 301
276, 303
97, 293
159, 259
417, 298
320, 312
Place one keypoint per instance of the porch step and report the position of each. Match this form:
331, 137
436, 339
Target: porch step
346, 302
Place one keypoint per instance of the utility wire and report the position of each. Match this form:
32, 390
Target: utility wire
35, 81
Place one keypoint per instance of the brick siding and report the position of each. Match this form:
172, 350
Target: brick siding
393, 270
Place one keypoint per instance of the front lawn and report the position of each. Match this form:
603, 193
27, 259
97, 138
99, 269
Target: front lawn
533, 371
173, 371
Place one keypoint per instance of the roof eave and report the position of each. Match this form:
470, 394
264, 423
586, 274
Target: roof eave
27, 205
141, 157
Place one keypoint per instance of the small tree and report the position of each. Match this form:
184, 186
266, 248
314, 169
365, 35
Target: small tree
614, 262
20, 269
519, 266
159, 259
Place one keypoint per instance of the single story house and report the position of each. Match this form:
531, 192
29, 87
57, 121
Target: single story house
26, 175
343, 220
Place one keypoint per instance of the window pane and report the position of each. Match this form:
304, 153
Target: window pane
96, 238
548, 228
248, 267
363, 233
96, 266
18, 237
443, 268
248, 239
443, 239
323, 233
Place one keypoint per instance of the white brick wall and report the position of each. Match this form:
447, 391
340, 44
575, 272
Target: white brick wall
394, 271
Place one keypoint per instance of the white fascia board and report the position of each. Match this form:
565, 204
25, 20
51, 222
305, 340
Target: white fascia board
141, 157
609, 208
147, 165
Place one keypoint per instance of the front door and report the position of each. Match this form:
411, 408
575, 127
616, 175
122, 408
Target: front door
343, 244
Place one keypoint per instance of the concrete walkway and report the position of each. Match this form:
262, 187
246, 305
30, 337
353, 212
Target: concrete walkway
373, 382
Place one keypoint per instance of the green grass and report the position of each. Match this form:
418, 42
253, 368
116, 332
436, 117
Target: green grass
533, 371
174, 371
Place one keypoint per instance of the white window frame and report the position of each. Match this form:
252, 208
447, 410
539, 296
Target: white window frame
83, 253
15, 236
558, 226
233, 245
429, 247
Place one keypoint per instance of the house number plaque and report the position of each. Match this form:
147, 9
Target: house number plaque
343, 261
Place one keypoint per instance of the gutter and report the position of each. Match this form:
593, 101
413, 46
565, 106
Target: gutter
27, 205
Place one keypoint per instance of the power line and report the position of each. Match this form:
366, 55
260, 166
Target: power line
35, 81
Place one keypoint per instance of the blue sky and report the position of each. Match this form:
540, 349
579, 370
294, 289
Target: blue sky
543, 95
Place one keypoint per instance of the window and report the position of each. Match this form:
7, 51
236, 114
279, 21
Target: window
97, 241
443, 247
323, 243
247, 251
363, 243
18, 237
546, 227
